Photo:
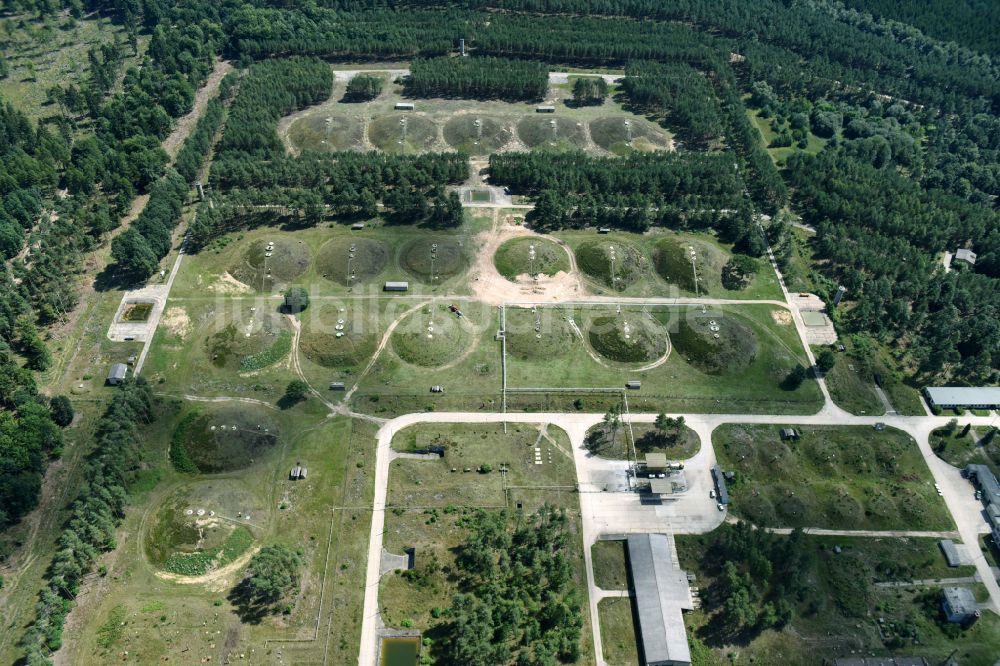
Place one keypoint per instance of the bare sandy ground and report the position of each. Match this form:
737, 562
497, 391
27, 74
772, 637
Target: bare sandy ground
217, 580
491, 287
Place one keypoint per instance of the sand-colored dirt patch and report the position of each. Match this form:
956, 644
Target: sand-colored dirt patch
177, 322
227, 284
781, 317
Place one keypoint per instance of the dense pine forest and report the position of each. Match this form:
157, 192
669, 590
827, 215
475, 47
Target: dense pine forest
910, 121
477, 78
890, 113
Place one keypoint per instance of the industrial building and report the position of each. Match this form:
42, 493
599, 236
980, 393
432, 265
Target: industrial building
967, 397
951, 554
117, 374
986, 481
960, 606
662, 594
989, 492
968, 256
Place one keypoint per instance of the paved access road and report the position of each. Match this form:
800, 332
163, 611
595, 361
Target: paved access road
604, 511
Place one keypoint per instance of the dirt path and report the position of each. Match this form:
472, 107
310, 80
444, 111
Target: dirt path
172, 144
297, 365
98, 260
381, 346
211, 576
221, 398
182, 129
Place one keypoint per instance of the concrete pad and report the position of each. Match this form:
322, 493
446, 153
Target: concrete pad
140, 330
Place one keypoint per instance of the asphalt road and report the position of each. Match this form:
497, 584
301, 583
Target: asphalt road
605, 512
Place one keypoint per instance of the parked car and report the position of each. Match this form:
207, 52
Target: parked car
720, 506
711, 493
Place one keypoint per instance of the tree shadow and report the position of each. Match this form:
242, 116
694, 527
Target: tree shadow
249, 609
113, 278
287, 402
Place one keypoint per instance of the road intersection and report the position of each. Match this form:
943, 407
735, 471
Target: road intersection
608, 507
605, 511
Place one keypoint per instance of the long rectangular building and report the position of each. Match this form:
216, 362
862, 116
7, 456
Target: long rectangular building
661, 594
969, 397
720, 484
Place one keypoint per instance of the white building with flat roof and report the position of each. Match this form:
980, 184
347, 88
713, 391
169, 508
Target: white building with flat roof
969, 397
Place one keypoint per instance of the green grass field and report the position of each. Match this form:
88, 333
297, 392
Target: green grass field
340, 337
167, 621
427, 502
403, 133
271, 270
433, 337
799, 271
322, 261
530, 256
433, 259
476, 134
202, 348
550, 133
623, 136
567, 359
618, 632
833, 477
647, 440
351, 261
977, 447
432, 483
328, 133
451, 124
229, 437
190, 537
658, 263
53, 51
610, 570
244, 337
614, 263
852, 386
814, 144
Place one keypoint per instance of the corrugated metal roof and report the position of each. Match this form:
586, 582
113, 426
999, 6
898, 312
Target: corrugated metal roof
966, 255
720, 484
963, 396
986, 481
661, 593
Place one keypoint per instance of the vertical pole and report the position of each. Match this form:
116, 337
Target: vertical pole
503, 363
631, 435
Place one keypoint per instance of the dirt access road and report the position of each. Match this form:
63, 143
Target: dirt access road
61, 482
